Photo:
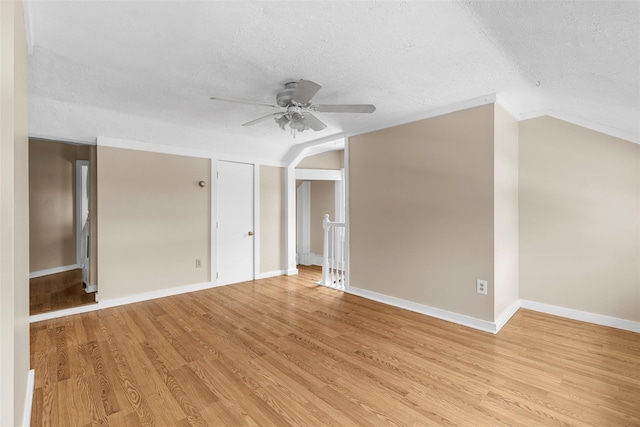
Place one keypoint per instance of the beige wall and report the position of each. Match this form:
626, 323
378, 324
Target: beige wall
327, 160
52, 215
505, 195
153, 221
579, 219
272, 219
421, 211
14, 214
323, 201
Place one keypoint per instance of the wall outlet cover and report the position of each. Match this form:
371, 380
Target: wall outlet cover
481, 286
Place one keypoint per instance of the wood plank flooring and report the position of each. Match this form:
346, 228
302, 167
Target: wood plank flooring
283, 351
57, 292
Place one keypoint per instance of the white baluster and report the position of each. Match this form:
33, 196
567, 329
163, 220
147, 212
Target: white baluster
325, 251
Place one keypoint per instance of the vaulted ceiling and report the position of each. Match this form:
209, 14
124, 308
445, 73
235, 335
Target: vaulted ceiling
144, 71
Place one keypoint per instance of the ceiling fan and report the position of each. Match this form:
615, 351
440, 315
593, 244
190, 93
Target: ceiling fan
295, 108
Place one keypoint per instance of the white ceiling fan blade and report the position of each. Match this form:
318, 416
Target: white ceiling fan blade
345, 108
236, 101
261, 119
316, 123
305, 91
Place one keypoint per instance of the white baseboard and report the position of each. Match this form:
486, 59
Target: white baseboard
311, 259
144, 296
584, 316
62, 313
28, 402
54, 270
315, 259
270, 274
161, 293
460, 319
506, 315
91, 289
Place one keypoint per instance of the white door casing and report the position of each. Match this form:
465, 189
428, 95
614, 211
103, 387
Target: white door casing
235, 201
82, 217
303, 208
303, 212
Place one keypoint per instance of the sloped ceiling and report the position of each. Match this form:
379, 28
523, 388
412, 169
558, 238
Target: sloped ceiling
144, 71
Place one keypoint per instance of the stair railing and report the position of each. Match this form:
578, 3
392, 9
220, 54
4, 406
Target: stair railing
334, 254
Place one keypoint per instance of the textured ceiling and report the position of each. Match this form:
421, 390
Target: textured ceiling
144, 70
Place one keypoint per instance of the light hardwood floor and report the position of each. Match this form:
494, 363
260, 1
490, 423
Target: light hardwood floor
283, 351
57, 292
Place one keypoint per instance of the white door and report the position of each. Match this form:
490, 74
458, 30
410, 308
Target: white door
235, 222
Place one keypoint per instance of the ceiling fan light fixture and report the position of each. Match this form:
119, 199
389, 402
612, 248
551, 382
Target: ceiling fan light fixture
282, 121
297, 122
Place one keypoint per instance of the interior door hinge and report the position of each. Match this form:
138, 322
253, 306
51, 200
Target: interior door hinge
217, 174
217, 275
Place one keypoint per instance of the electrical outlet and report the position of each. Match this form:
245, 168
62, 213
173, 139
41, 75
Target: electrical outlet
198, 263
481, 287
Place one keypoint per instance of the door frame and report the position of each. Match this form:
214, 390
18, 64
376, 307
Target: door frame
291, 161
214, 219
78, 202
303, 207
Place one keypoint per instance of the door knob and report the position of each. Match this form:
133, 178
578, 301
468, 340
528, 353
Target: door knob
250, 233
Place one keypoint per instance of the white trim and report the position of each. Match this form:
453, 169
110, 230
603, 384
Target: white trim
61, 139
160, 293
506, 315
62, 313
104, 141
339, 199
78, 203
315, 259
290, 219
507, 107
336, 145
347, 224
291, 272
213, 244
256, 220
269, 274
440, 111
299, 151
319, 174
28, 402
583, 316
54, 270
303, 220
585, 123
91, 289
291, 159
310, 258
460, 319
129, 299
28, 29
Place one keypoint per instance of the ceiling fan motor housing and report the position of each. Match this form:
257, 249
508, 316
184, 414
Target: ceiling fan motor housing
283, 98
